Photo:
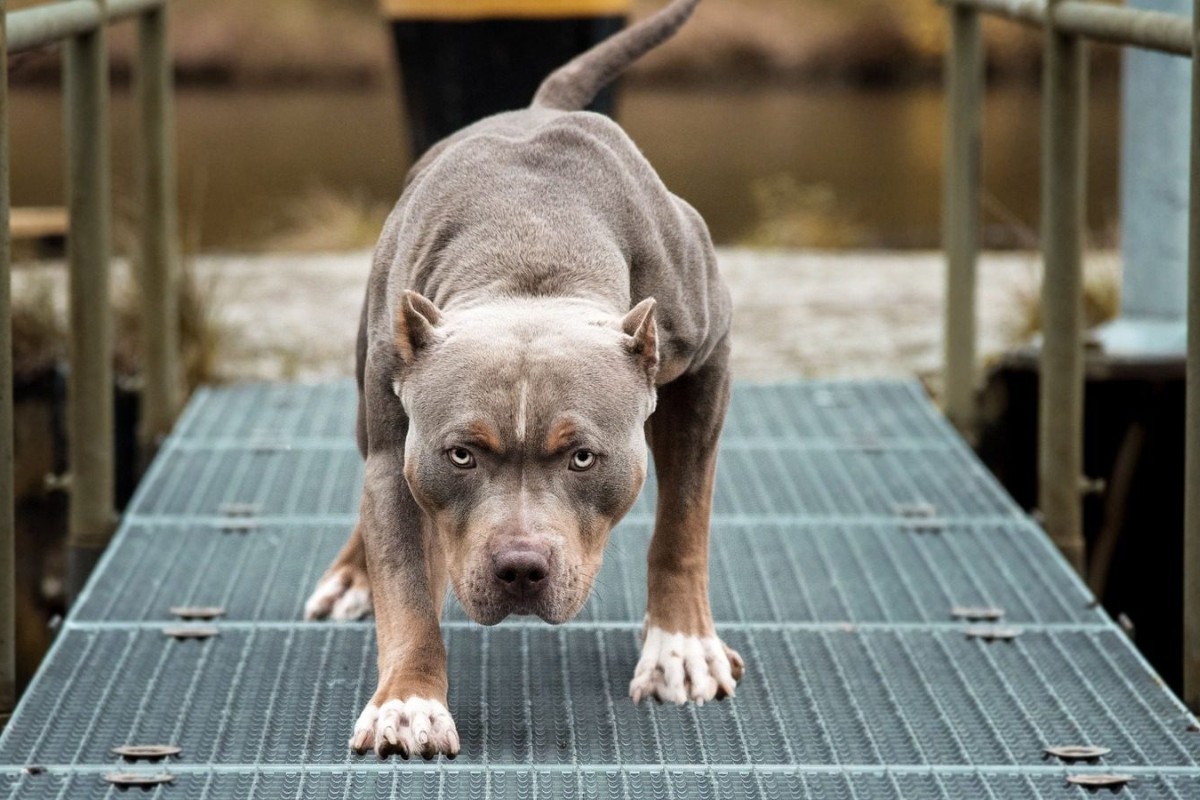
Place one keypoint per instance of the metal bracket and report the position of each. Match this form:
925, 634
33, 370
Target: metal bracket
197, 612
1099, 779
977, 613
239, 509
191, 631
917, 510
1076, 752
239, 525
992, 633
125, 779
146, 752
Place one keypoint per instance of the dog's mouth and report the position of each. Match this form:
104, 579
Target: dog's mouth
488, 605
493, 610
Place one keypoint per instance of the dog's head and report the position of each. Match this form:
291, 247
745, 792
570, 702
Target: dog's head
525, 443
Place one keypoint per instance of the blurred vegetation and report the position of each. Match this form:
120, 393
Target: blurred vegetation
324, 220
1101, 299
38, 328
39, 325
791, 215
305, 42
40, 308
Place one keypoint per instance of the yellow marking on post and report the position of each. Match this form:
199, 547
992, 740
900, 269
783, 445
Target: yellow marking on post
473, 9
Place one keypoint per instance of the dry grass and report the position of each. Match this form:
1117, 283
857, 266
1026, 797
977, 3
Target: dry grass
1101, 299
38, 329
201, 330
40, 332
794, 215
324, 220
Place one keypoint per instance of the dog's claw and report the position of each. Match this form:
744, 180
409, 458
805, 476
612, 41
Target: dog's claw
677, 668
414, 725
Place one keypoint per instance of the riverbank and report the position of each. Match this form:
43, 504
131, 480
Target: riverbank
797, 314
281, 43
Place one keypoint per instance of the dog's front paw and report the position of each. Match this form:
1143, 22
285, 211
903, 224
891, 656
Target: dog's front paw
344, 593
676, 667
416, 725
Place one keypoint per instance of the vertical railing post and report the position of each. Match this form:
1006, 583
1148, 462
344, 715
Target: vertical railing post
1191, 470
960, 210
159, 270
90, 390
1060, 408
8, 612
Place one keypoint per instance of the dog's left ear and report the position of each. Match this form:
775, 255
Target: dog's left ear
416, 319
640, 326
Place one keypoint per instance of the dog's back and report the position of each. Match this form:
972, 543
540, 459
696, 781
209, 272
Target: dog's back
551, 200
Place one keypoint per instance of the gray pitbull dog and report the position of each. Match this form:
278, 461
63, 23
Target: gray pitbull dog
537, 295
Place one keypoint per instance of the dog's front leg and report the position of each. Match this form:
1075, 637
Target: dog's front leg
407, 713
682, 658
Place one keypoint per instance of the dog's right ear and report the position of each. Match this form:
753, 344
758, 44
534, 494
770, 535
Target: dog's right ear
416, 319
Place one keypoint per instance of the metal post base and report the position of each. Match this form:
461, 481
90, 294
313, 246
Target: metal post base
81, 560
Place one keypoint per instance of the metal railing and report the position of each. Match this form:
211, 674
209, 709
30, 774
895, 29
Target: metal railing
1067, 25
81, 25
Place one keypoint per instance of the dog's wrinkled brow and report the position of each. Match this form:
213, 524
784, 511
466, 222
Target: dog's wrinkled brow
562, 436
476, 432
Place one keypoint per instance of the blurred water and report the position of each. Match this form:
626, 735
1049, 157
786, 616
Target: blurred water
246, 155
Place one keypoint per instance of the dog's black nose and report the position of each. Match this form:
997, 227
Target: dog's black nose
521, 571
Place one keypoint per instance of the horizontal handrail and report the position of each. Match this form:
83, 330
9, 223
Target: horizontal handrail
1029, 12
31, 28
1149, 30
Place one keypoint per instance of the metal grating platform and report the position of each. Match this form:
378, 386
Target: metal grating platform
850, 520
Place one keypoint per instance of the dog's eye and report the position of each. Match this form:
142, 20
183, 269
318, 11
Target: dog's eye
461, 457
582, 459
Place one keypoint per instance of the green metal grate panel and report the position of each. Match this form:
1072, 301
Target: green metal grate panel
422, 783
270, 412
521, 695
860, 685
753, 480
869, 572
848, 411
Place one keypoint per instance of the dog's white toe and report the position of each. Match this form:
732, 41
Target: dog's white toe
354, 604
416, 726
676, 668
339, 596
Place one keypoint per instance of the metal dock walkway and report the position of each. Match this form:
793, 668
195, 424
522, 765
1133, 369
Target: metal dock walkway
850, 521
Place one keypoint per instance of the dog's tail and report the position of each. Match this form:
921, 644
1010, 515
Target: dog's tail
572, 86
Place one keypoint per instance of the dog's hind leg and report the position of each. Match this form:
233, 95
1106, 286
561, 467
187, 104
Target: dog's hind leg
682, 658
344, 591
